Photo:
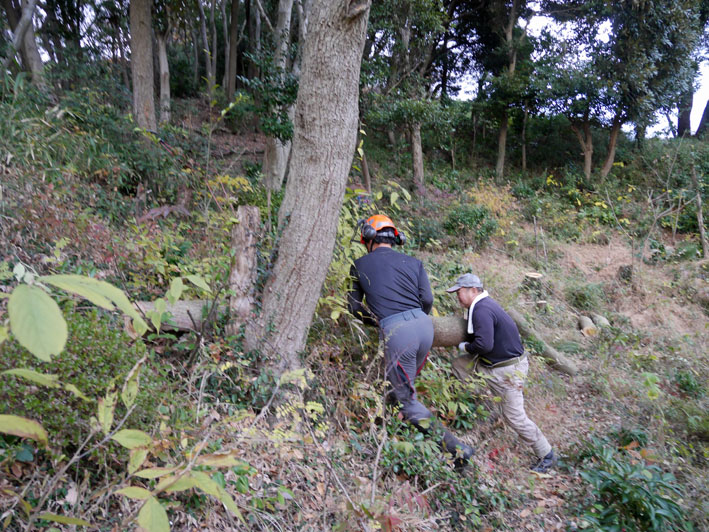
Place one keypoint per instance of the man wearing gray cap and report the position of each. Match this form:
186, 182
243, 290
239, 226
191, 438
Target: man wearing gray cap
497, 353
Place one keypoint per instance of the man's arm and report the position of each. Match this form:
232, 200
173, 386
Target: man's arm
354, 300
484, 332
425, 293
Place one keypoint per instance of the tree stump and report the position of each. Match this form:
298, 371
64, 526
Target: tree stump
532, 283
588, 328
244, 242
625, 273
600, 321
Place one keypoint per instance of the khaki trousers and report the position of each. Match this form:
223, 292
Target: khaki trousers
508, 383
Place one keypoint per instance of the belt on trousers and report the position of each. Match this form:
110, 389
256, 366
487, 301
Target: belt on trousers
504, 363
407, 315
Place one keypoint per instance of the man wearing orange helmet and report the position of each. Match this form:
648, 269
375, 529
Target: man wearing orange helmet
398, 299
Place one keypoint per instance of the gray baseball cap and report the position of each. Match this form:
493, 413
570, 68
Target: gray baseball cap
467, 280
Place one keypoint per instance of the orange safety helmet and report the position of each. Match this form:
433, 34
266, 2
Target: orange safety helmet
373, 224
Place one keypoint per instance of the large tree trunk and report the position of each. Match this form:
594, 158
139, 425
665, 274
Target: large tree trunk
684, 127
141, 46
417, 156
254, 38
233, 52
612, 144
23, 40
211, 76
501, 145
275, 157
323, 143
161, 39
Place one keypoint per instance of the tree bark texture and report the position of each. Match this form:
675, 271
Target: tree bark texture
211, 75
141, 60
417, 157
275, 157
612, 144
244, 241
704, 122
254, 38
23, 39
449, 331
323, 143
233, 52
684, 127
583, 134
501, 145
161, 39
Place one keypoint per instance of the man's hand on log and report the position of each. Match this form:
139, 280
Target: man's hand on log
461, 346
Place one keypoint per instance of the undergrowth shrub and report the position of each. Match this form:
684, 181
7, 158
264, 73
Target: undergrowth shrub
625, 491
585, 296
474, 223
98, 356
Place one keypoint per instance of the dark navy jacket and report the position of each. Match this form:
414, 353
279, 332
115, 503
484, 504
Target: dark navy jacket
495, 336
391, 282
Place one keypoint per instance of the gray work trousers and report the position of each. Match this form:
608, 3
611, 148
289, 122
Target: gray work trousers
407, 339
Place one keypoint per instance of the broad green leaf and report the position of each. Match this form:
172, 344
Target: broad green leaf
63, 519
139, 326
39, 378
24, 428
170, 485
137, 457
106, 408
134, 492
3, 331
19, 271
81, 285
199, 282
155, 472
394, 196
73, 389
132, 438
36, 322
153, 517
176, 289
205, 483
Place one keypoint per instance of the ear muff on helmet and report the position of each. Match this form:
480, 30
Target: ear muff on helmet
372, 225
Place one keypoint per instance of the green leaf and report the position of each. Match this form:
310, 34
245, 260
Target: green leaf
39, 378
199, 282
140, 326
134, 492
63, 519
86, 287
170, 485
37, 322
153, 517
132, 438
394, 196
73, 389
155, 472
137, 457
3, 330
106, 408
24, 428
210, 487
176, 289
130, 386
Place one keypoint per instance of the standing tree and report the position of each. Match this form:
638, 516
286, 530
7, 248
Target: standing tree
323, 143
141, 62
19, 15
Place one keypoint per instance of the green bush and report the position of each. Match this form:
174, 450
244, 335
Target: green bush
585, 296
469, 221
97, 355
626, 493
688, 383
426, 231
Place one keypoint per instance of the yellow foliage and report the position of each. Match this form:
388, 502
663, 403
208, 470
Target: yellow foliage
499, 201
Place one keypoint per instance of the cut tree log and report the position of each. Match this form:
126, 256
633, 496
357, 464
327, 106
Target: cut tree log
600, 321
451, 330
186, 315
588, 328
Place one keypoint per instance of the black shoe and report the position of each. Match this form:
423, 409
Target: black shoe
546, 463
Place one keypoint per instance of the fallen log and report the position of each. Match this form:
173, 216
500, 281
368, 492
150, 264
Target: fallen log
187, 315
587, 327
450, 331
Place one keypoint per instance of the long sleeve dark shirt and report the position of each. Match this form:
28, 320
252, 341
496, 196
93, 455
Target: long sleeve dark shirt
495, 337
390, 282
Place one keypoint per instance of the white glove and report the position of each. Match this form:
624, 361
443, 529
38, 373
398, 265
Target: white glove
461, 346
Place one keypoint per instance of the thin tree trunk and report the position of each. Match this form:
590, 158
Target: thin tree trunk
195, 63
275, 157
586, 141
23, 40
365, 173
124, 59
323, 143
254, 38
227, 43
207, 52
244, 243
214, 49
700, 214
501, 145
161, 39
524, 140
233, 52
612, 144
417, 156
141, 45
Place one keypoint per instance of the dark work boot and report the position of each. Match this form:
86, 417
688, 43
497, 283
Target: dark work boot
461, 451
546, 463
